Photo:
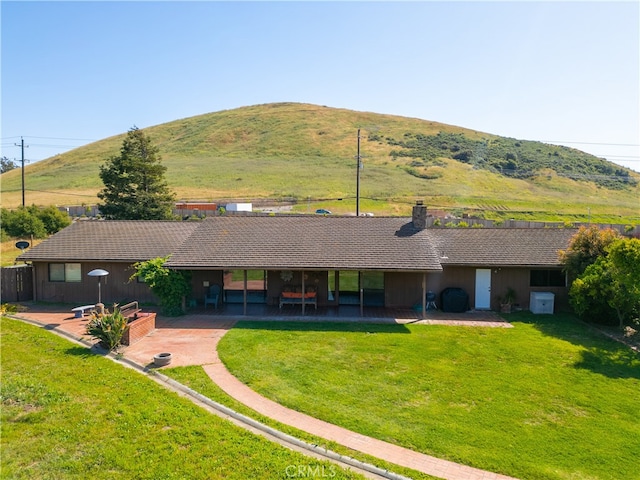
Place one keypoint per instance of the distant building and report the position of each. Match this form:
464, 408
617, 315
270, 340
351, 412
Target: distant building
239, 207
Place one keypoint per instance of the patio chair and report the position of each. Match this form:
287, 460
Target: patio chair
212, 296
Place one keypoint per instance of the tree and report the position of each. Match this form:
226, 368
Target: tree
585, 247
609, 288
134, 183
33, 221
22, 223
6, 165
53, 219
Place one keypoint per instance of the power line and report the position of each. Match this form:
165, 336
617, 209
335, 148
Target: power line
593, 143
53, 138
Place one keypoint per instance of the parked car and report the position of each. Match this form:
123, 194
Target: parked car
322, 211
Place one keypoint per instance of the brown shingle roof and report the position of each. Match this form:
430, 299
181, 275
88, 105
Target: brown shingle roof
119, 241
500, 246
307, 242
302, 242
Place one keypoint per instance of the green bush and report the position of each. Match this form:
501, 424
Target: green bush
171, 286
33, 221
108, 328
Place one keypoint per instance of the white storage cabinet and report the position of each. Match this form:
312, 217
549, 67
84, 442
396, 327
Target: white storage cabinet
541, 302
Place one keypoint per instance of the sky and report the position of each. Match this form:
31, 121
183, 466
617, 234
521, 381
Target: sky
565, 73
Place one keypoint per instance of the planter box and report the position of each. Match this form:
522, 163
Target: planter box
139, 328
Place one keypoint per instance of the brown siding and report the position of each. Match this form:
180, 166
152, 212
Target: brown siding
501, 279
403, 290
198, 277
115, 287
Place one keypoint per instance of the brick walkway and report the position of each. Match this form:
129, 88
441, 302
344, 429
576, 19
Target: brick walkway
371, 446
193, 339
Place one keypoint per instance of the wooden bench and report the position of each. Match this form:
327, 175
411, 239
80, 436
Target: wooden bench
293, 298
79, 311
130, 310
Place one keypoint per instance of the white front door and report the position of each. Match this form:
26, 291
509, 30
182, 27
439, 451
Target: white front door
483, 289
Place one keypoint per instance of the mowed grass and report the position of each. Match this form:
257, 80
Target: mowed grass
548, 399
70, 414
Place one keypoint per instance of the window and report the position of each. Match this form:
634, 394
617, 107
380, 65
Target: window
65, 272
547, 278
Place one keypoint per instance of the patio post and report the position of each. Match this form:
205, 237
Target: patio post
303, 291
244, 294
424, 295
361, 294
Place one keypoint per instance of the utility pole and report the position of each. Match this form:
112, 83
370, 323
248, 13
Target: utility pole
358, 167
22, 148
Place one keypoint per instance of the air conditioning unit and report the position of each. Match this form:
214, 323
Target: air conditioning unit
541, 302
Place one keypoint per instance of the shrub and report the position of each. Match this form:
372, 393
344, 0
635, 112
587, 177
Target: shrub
33, 221
53, 219
171, 286
108, 328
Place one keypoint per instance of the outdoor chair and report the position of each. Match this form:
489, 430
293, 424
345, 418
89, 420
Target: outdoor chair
212, 296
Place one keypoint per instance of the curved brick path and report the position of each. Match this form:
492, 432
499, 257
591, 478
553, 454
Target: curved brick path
193, 340
362, 443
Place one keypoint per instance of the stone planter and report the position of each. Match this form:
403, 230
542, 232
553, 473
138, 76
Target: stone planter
162, 359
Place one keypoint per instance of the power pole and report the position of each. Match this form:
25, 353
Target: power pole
358, 167
22, 148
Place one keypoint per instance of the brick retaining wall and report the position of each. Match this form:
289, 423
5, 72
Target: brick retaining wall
139, 328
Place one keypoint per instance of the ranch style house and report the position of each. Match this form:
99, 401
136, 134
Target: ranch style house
308, 260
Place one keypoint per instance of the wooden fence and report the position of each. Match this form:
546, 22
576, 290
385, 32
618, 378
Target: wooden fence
16, 283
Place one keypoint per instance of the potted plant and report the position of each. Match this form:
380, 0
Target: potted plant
507, 300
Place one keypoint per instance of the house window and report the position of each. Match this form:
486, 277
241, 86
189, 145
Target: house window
65, 272
547, 278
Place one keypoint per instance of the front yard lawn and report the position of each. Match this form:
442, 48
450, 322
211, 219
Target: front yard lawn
70, 414
548, 399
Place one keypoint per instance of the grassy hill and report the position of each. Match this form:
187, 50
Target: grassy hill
306, 154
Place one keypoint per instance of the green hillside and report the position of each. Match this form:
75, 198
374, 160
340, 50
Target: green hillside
306, 154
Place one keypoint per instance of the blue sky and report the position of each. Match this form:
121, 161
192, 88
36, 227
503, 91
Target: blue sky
559, 72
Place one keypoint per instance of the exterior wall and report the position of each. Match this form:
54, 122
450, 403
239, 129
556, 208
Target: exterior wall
403, 289
501, 279
198, 279
115, 287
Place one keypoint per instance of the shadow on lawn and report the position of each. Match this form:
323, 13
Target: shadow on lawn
323, 326
601, 354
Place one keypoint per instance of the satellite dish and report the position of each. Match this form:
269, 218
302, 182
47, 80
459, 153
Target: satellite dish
22, 244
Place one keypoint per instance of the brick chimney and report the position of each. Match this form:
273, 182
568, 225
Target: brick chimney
419, 216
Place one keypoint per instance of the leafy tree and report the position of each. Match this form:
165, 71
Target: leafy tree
585, 247
22, 223
6, 165
609, 289
53, 219
33, 221
171, 286
134, 183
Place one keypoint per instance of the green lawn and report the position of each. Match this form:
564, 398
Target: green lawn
548, 399
71, 414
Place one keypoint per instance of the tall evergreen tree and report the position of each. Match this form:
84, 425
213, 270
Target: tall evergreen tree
134, 183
